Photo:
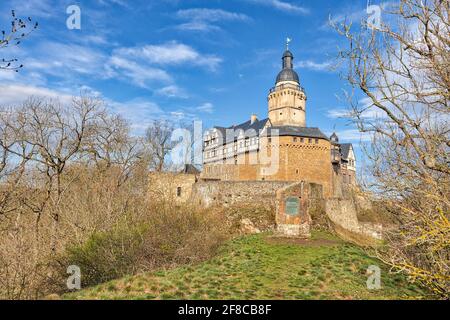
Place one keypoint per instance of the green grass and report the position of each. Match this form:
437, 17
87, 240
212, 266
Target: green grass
261, 267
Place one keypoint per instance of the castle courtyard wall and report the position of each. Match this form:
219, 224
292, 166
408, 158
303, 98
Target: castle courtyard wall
227, 193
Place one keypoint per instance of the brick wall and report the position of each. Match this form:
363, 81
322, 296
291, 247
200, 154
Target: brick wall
297, 161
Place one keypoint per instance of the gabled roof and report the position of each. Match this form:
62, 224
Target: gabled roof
255, 129
297, 132
190, 169
247, 128
257, 125
345, 150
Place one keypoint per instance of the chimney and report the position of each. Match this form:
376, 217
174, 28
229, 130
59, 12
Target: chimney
253, 118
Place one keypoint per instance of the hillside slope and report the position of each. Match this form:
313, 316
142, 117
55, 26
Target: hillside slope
262, 267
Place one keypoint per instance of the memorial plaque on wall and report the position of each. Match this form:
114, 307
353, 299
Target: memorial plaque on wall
292, 206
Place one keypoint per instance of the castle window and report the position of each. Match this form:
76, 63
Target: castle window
309, 140
297, 171
179, 192
302, 140
295, 139
317, 141
270, 140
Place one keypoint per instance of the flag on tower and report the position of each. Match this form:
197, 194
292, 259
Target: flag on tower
288, 40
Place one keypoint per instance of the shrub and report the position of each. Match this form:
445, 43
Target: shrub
106, 255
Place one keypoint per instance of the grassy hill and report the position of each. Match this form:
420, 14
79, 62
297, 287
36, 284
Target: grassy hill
263, 267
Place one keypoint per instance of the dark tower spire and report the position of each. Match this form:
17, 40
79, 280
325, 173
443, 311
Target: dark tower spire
288, 58
288, 73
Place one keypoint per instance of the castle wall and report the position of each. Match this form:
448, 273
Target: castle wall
227, 193
296, 161
343, 215
304, 161
171, 187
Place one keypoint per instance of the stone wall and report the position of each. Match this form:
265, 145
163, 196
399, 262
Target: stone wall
343, 215
292, 209
171, 187
228, 193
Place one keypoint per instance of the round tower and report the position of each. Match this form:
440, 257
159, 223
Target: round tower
287, 100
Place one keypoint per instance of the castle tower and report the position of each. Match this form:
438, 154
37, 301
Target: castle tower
287, 100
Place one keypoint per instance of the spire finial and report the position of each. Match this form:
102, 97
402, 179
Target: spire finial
288, 40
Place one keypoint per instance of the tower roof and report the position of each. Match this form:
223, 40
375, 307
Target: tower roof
288, 73
334, 137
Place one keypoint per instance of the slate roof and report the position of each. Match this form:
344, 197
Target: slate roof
345, 150
297, 132
190, 169
288, 75
256, 129
250, 129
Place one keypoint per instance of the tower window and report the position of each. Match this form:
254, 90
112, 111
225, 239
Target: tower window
179, 192
295, 139
302, 140
317, 141
309, 140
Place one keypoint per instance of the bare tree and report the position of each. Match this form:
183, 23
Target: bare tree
110, 144
403, 69
20, 29
159, 140
56, 134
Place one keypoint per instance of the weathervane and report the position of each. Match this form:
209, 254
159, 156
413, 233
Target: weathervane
288, 40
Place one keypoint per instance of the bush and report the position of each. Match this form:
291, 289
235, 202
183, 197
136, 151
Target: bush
167, 237
106, 255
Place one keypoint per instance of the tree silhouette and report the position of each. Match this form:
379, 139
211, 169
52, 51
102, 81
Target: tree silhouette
19, 30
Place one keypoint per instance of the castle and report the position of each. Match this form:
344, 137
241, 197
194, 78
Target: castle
281, 147
277, 163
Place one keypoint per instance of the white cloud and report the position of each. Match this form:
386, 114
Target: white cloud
15, 94
171, 53
33, 8
66, 60
172, 91
139, 74
283, 6
203, 19
210, 15
365, 104
197, 26
205, 107
316, 66
353, 135
338, 113
142, 66
139, 112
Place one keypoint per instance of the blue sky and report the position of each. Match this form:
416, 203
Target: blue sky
212, 60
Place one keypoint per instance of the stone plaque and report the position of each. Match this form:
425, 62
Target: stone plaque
292, 206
